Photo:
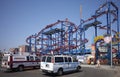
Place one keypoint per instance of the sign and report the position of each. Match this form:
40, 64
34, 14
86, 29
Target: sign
98, 38
93, 47
107, 39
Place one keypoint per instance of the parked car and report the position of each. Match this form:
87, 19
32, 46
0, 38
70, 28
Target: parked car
59, 64
81, 59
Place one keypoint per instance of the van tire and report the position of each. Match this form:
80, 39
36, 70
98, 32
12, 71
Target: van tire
21, 68
78, 68
60, 72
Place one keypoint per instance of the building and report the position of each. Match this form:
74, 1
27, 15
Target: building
14, 50
24, 48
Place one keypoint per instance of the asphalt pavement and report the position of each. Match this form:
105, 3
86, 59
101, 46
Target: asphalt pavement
105, 67
115, 69
86, 71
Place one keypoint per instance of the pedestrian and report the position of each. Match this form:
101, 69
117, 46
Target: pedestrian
98, 63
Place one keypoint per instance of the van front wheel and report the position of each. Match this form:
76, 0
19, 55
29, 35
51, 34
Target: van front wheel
20, 68
60, 72
79, 68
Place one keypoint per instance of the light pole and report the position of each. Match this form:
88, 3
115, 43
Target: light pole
108, 40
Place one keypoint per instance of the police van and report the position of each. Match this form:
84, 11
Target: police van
59, 64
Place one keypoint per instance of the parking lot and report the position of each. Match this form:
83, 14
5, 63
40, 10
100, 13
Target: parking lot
85, 72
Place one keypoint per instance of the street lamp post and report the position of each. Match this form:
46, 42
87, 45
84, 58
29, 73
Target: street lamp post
108, 40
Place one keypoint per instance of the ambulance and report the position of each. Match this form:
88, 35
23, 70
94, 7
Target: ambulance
19, 61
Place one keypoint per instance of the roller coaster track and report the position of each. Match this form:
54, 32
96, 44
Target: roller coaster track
49, 26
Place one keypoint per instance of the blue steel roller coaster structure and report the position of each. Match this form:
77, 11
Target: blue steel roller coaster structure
110, 10
64, 35
57, 37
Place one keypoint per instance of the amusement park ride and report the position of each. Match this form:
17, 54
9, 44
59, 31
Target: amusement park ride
65, 36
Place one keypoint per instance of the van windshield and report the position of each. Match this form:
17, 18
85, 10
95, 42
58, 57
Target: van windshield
5, 58
43, 59
48, 59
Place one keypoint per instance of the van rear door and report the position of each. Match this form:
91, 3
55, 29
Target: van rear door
47, 63
6, 63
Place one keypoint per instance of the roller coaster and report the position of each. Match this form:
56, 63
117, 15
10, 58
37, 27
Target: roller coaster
57, 37
65, 36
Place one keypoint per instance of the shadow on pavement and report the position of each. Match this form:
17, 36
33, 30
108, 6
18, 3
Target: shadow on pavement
15, 70
65, 73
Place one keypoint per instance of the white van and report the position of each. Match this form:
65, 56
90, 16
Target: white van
59, 64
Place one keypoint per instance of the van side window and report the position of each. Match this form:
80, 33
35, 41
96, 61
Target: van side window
37, 59
27, 58
59, 59
5, 58
66, 60
31, 58
75, 60
48, 59
69, 59
43, 58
